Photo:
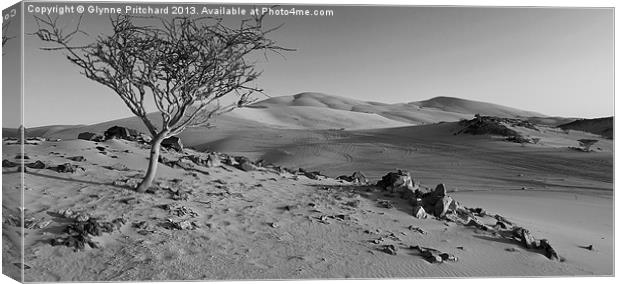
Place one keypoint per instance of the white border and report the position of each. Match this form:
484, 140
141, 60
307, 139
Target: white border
504, 3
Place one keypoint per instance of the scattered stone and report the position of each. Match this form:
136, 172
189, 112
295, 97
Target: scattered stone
80, 232
67, 168
89, 136
417, 229
433, 255
77, 159
588, 247
173, 142
100, 148
180, 196
353, 203
181, 225
389, 249
510, 249
184, 211
357, 178
385, 203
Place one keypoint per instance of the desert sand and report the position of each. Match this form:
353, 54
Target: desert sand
276, 224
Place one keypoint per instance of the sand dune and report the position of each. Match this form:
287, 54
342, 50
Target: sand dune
430, 111
450, 104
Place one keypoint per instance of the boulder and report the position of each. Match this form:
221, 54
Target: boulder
442, 206
356, 177
525, 237
548, 250
418, 212
120, 132
440, 190
247, 166
36, 165
397, 182
67, 168
89, 136
8, 164
173, 142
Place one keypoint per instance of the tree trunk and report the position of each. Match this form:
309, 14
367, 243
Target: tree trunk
153, 162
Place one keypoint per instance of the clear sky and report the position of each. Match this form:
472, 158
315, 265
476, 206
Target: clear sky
556, 61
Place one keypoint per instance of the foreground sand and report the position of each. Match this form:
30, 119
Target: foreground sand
245, 230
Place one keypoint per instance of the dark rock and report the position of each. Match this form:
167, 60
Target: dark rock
120, 132
397, 182
8, 164
447, 257
36, 165
478, 211
356, 177
89, 136
385, 203
477, 224
433, 255
502, 219
173, 143
548, 250
80, 232
501, 225
389, 249
417, 229
247, 166
525, 237
67, 168
77, 159
100, 148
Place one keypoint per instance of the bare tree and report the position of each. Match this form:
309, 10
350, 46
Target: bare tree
5, 29
185, 64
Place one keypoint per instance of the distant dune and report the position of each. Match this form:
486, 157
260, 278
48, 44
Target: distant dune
602, 126
423, 112
457, 105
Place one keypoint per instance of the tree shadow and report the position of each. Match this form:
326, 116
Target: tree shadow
79, 181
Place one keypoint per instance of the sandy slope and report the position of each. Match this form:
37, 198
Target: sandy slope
245, 231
